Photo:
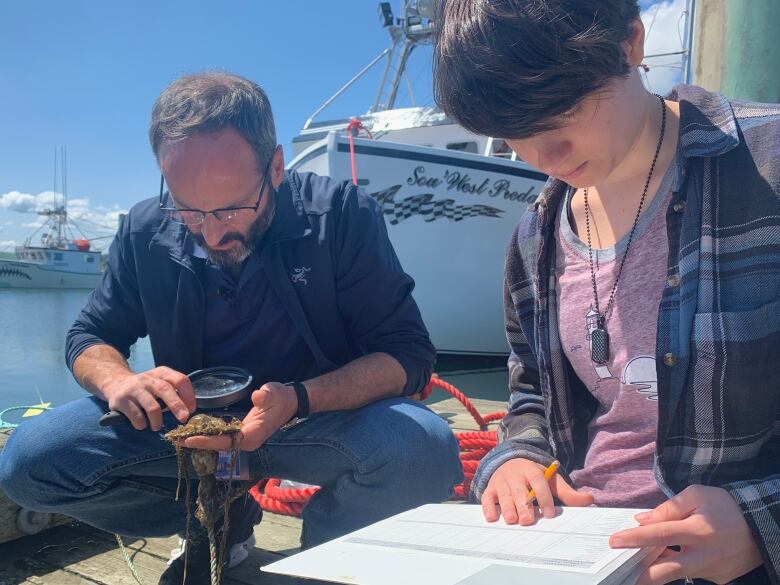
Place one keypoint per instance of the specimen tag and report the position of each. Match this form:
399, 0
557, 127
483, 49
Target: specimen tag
240, 466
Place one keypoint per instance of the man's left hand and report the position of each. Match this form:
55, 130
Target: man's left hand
707, 524
273, 405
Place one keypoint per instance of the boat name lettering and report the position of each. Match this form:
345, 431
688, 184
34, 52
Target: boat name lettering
502, 187
463, 183
419, 179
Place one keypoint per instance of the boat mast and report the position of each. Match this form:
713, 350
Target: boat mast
62, 216
408, 32
57, 215
690, 11
406, 52
414, 29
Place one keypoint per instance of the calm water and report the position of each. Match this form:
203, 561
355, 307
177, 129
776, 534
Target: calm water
33, 324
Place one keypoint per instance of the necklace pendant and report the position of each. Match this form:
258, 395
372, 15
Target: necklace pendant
599, 343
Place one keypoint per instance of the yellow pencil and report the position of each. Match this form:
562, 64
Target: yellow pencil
548, 473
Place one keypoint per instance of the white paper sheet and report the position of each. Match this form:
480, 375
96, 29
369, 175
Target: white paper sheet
444, 544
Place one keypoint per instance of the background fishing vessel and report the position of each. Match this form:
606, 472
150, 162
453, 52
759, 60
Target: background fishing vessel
58, 262
63, 258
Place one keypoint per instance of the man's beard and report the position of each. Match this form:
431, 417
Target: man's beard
247, 243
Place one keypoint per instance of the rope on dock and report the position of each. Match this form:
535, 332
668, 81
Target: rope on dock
9, 425
474, 445
128, 560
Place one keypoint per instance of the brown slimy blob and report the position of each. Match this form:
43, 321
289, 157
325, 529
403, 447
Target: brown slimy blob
214, 496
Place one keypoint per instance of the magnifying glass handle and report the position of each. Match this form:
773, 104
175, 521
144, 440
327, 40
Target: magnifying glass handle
114, 417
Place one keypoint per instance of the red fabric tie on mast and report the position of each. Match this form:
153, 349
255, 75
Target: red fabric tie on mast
353, 129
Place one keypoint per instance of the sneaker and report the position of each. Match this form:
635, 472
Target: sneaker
244, 514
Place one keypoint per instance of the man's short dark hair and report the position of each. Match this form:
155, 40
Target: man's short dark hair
209, 102
509, 68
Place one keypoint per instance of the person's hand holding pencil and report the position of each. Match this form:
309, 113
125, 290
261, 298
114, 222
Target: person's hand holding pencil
548, 473
515, 486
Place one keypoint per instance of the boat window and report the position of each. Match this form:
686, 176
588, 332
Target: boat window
90, 259
48, 255
470, 146
57, 255
500, 149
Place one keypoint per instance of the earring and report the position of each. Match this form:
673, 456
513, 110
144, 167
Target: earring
644, 67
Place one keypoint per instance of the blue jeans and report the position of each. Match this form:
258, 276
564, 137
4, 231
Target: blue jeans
372, 462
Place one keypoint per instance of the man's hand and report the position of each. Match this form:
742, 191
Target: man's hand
507, 493
136, 396
273, 405
706, 523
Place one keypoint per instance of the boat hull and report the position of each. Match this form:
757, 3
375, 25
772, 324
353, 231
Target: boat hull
450, 216
16, 274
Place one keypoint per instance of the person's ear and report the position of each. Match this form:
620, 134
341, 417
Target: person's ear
634, 46
277, 167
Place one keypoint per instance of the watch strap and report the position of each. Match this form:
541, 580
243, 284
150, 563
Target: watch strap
303, 399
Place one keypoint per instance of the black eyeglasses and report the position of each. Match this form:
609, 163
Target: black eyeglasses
243, 214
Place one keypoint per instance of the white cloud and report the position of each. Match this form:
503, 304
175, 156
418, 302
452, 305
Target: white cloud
664, 21
98, 220
16, 201
79, 203
26, 203
7, 245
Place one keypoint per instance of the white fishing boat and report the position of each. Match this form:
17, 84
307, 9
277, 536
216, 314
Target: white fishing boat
450, 198
62, 259
58, 262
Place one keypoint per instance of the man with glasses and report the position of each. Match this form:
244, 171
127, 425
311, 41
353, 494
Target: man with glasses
240, 263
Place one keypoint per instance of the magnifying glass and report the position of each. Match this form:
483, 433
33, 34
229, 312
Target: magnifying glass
215, 388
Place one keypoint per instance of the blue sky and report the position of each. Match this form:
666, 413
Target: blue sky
85, 74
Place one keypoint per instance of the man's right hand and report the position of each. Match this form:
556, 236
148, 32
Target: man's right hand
507, 493
136, 396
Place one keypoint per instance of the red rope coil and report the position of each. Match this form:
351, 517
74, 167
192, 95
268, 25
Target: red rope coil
474, 445
274, 490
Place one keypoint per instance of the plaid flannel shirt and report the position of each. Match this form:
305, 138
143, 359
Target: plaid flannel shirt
718, 331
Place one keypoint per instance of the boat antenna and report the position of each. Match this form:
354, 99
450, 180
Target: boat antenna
62, 218
690, 24
54, 186
64, 179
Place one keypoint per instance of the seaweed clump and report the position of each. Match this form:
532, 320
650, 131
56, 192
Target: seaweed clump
214, 495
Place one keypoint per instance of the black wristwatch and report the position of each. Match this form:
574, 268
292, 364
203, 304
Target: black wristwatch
303, 403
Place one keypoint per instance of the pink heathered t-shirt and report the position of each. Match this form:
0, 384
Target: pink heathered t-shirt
618, 466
